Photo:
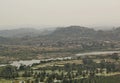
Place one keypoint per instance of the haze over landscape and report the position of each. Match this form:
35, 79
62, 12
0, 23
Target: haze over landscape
52, 13
59, 41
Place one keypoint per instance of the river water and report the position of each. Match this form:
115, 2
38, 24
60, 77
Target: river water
97, 53
30, 62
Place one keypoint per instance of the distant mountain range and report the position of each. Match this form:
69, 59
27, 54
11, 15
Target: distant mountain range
73, 33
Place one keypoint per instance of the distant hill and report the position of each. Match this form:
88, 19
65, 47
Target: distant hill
74, 31
77, 32
22, 32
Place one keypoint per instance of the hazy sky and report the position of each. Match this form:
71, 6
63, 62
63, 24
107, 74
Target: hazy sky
60, 12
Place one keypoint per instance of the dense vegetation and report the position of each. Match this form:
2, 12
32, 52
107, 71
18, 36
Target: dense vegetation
90, 69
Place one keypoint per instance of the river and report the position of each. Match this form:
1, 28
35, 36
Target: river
97, 53
30, 62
